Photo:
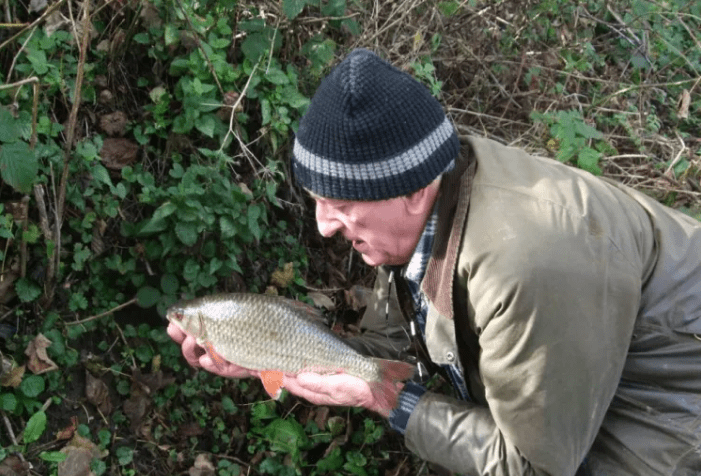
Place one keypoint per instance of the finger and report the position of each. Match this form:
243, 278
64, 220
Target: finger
192, 351
175, 333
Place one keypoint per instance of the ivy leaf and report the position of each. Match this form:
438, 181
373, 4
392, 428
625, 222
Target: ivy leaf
32, 386
8, 402
35, 427
27, 290
170, 283
148, 296
292, 8
18, 165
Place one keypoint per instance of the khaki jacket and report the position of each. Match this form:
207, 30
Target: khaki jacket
574, 307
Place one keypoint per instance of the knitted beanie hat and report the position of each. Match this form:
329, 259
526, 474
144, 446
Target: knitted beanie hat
372, 132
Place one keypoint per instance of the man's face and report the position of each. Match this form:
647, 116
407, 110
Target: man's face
383, 232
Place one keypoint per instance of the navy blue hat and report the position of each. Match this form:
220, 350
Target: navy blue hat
372, 132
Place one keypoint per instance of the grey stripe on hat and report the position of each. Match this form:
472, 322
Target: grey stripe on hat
396, 165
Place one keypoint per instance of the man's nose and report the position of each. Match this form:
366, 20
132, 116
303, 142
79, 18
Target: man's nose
326, 220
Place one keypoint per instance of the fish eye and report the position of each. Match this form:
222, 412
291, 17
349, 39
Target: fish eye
178, 315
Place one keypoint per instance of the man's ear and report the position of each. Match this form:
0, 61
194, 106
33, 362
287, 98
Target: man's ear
421, 202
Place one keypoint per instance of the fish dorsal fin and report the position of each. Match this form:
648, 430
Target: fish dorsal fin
314, 314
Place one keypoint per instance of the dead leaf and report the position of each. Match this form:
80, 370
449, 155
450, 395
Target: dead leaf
13, 466
152, 382
136, 408
114, 124
39, 361
13, 377
68, 432
54, 22
37, 5
97, 393
190, 429
684, 103
357, 297
117, 153
149, 15
322, 300
283, 277
79, 454
202, 467
321, 417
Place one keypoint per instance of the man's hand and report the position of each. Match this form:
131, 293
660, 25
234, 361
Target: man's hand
345, 390
197, 356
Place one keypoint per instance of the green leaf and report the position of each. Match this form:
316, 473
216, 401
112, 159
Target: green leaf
147, 296
32, 386
35, 427
170, 284
142, 38
186, 232
255, 46
334, 8
27, 290
588, 160
277, 76
206, 124
18, 165
101, 175
254, 214
448, 8
53, 456
8, 402
158, 220
292, 8
332, 462
9, 132
125, 455
228, 404
170, 34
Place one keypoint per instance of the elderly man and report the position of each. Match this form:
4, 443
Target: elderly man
564, 309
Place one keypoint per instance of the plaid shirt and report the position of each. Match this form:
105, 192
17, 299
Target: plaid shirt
413, 274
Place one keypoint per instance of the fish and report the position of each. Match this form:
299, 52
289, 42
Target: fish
277, 336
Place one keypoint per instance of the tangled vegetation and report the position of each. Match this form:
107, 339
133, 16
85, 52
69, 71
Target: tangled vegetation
144, 153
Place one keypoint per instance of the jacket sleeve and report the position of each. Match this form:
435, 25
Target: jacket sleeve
384, 333
553, 313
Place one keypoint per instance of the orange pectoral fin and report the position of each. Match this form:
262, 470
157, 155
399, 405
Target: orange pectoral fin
272, 382
218, 360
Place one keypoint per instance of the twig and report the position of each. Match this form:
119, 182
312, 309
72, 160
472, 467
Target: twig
11, 433
72, 119
48, 12
97, 316
23, 241
21, 48
35, 115
668, 172
33, 79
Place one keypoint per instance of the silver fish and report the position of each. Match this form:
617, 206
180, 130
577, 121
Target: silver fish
271, 333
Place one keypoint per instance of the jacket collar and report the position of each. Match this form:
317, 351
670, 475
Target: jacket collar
454, 201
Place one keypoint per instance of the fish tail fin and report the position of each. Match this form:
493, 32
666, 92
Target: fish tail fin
391, 372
